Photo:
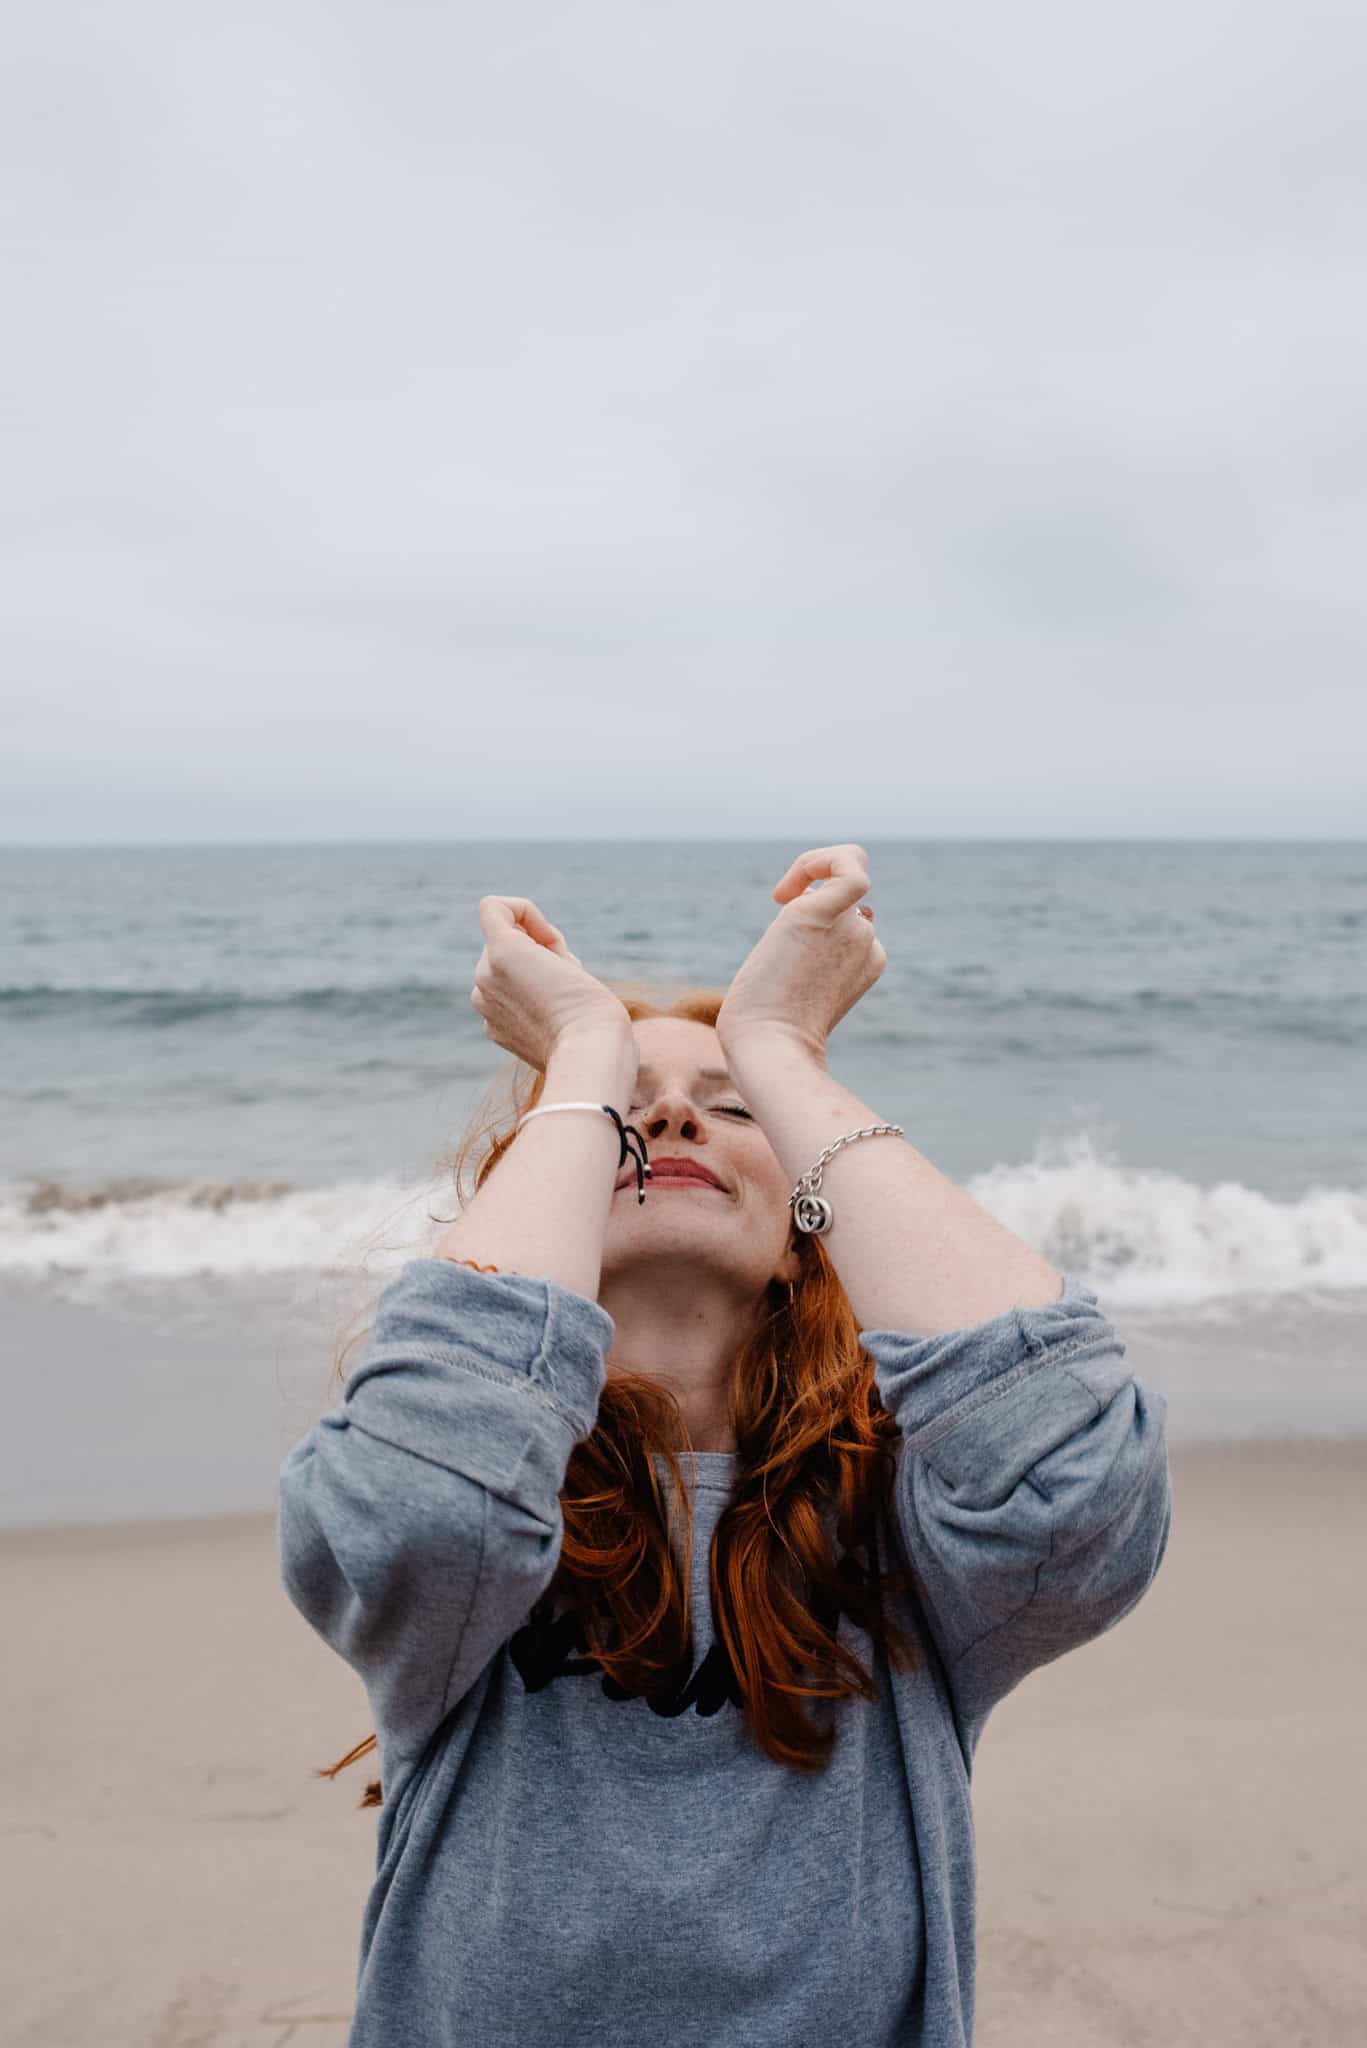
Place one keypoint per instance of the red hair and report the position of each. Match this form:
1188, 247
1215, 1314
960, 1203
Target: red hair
813, 1440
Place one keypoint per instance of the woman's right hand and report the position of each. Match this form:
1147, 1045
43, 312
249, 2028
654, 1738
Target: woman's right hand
530, 989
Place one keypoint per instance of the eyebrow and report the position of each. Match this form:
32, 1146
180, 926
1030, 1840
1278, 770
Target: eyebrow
645, 1073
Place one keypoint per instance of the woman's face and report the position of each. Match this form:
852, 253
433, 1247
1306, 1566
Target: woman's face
687, 1108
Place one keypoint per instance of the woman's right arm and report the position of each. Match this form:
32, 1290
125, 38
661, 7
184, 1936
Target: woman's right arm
419, 1522
544, 1208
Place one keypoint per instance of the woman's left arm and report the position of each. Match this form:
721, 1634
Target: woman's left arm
913, 1251
1033, 1494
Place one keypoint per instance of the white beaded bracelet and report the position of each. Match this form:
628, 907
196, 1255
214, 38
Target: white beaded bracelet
625, 1132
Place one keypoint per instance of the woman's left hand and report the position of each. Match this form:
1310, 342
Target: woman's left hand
818, 957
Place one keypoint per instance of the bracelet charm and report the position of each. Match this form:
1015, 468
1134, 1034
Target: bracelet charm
813, 1213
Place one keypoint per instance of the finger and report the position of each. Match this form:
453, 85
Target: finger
509, 916
841, 870
818, 863
496, 917
542, 930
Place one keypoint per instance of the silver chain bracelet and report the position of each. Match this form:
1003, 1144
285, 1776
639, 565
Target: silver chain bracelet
812, 1211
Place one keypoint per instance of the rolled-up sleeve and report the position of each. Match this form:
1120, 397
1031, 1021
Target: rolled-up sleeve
420, 1519
1033, 1494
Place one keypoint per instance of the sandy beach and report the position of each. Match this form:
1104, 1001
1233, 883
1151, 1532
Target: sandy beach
1169, 1820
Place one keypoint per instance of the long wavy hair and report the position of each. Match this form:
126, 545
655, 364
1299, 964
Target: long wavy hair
816, 1452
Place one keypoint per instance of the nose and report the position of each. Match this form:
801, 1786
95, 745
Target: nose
665, 1111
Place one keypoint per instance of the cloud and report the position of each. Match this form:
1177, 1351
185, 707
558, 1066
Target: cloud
400, 395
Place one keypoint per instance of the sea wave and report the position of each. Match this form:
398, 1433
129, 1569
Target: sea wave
143, 1227
1139, 1236
1298, 1015
45, 1001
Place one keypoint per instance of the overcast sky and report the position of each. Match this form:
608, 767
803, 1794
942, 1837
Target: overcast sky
820, 421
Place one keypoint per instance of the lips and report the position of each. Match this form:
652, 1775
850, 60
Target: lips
674, 1169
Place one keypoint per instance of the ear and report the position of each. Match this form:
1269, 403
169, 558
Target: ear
789, 1268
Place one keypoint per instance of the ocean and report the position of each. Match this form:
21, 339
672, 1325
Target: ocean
234, 1076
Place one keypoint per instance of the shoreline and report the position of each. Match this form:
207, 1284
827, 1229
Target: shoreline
182, 1403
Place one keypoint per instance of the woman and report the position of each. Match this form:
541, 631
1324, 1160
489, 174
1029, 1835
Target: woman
684, 1544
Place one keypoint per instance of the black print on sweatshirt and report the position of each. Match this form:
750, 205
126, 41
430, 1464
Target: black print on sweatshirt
551, 1645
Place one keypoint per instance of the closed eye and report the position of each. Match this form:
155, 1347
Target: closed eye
723, 1109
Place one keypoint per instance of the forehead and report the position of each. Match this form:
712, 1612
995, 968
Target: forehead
677, 1041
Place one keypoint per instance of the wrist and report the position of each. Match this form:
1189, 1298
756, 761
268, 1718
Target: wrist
767, 1043
602, 1057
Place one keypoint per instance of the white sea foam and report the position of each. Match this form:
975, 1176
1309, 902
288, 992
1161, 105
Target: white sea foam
1144, 1237
1152, 1239
140, 1229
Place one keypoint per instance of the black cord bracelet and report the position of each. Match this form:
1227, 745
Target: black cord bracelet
627, 1132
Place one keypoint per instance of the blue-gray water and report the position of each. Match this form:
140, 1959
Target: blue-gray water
242, 1068
1191, 1018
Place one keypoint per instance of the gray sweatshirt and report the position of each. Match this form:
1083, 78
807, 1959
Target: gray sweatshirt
556, 1863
